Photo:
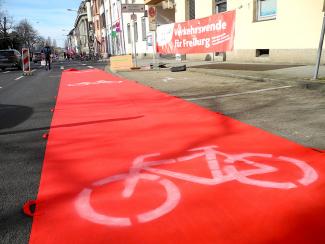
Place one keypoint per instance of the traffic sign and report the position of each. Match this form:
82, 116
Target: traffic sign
134, 17
152, 11
133, 8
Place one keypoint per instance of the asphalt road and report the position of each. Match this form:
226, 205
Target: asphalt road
282, 108
25, 104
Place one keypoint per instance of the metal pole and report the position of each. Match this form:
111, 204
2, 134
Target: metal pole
122, 33
154, 46
320, 48
135, 43
110, 29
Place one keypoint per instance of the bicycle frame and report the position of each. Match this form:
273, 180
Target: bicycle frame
218, 177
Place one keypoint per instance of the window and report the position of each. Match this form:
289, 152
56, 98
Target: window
103, 20
262, 52
129, 33
144, 28
265, 9
221, 6
191, 9
135, 31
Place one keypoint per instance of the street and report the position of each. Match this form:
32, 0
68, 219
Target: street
282, 108
25, 112
162, 122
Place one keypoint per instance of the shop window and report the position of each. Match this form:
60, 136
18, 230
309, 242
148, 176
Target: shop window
266, 9
103, 20
221, 6
191, 9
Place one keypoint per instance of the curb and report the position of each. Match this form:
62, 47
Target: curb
312, 85
306, 84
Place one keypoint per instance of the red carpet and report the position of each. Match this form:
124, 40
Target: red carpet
127, 164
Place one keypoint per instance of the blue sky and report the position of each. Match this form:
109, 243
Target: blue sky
49, 17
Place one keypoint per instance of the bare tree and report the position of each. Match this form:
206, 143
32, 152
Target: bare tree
28, 35
6, 25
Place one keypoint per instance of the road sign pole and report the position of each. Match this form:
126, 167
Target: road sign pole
134, 41
153, 27
320, 48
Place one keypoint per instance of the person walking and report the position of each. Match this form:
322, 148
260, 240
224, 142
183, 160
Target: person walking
47, 53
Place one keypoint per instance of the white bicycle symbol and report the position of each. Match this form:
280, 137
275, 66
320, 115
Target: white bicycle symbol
220, 175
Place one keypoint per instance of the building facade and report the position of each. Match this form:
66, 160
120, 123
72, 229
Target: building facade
266, 30
80, 38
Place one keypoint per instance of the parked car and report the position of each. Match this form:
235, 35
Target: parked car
10, 58
37, 57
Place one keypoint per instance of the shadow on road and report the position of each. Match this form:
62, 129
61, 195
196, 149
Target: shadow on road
13, 115
69, 125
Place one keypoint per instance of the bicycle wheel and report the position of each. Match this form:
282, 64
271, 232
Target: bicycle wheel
86, 211
309, 174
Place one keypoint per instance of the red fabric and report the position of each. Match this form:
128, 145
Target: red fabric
211, 34
103, 130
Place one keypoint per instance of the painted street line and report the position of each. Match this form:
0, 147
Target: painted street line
6, 72
0, 87
238, 94
84, 64
90, 67
19, 77
33, 70
62, 67
168, 79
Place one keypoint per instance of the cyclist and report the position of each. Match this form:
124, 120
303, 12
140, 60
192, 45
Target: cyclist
47, 53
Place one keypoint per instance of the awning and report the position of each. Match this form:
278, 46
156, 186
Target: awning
152, 2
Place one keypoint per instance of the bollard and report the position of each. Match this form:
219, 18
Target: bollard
26, 61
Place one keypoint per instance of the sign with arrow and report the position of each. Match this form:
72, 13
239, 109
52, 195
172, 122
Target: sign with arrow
133, 8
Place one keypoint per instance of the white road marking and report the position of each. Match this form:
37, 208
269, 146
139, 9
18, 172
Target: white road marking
19, 77
62, 67
238, 94
168, 79
0, 87
83, 64
90, 67
6, 72
221, 173
33, 70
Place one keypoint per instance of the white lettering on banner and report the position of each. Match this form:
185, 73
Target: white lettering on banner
222, 171
88, 83
165, 34
194, 42
220, 25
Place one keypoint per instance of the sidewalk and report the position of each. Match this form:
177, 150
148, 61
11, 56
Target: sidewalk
252, 71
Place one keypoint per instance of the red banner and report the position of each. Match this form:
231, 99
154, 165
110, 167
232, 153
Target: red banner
212, 34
